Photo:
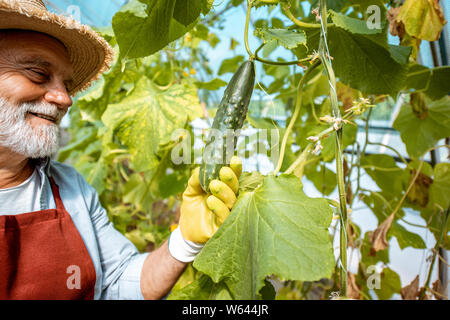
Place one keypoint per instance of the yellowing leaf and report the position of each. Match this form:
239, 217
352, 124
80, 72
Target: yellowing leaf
146, 118
423, 19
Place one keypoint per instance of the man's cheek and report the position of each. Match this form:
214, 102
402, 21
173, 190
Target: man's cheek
16, 88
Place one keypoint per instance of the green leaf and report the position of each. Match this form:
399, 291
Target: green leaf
390, 181
211, 85
250, 181
405, 238
419, 135
89, 135
289, 39
146, 118
136, 192
369, 258
172, 184
147, 26
440, 188
201, 289
329, 149
351, 24
231, 65
439, 86
435, 217
418, 77
323, 178
364, 61
276, 229
433, 82
390, 283
379, 205
187, 12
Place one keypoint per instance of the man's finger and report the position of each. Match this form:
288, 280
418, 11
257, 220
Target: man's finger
228, 176
219, 208
236, 166
223, 192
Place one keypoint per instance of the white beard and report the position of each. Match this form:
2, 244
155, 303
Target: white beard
18, 135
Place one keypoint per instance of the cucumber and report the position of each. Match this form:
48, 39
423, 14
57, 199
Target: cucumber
230, 115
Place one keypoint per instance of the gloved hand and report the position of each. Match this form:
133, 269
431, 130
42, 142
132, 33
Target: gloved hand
201, 214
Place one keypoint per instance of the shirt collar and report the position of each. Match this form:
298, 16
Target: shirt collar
43, 166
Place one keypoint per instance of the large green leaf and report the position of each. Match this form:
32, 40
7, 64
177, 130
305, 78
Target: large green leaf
275, 229
433, 82
143, 27
362, 60
421, 134
364, 64
147, 117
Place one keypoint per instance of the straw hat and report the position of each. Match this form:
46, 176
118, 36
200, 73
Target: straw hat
89, 53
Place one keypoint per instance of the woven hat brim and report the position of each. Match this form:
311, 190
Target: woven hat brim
89, 53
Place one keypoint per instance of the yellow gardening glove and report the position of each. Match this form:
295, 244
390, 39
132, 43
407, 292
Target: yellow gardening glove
203, 213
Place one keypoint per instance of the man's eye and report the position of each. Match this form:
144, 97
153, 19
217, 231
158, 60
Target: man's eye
39, 73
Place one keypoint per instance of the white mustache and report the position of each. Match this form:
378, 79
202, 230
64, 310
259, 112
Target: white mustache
43, 108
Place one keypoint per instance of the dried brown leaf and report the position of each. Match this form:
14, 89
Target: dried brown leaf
437, 290
396, 28
378, 237
411, 291
353, 291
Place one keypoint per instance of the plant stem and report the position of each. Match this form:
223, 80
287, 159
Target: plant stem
436, 248
271, 2
399, 204
278, 63
301, 159
390, 148
281, 63
361, 154
307, 150
247, 22
285, 9
294, 116
326, 61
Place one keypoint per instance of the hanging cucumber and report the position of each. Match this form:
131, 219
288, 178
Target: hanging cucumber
229, 119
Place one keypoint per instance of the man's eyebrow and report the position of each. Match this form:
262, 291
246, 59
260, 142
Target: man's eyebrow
38, 61
34, 61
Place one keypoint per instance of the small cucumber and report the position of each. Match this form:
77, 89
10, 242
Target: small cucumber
229, 119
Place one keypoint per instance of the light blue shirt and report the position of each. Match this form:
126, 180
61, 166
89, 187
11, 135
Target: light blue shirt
117, 262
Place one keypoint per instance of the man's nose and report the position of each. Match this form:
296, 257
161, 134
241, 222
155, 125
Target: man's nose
59, 96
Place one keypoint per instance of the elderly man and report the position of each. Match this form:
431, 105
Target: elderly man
56, 241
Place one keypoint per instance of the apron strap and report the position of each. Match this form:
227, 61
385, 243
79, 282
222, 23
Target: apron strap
56, 195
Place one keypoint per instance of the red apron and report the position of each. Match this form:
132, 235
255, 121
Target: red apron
43, 257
